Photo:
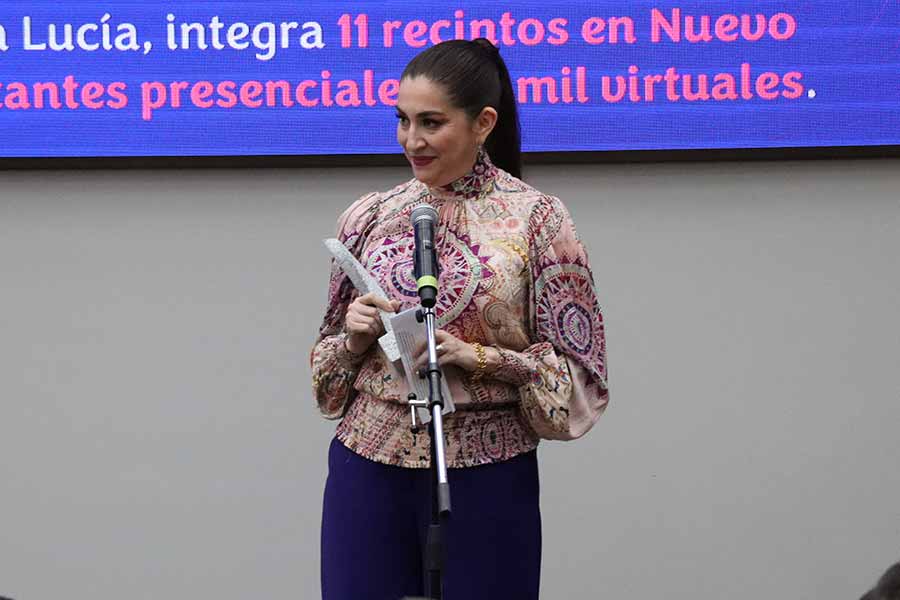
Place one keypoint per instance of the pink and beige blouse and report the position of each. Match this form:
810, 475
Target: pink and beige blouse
514, 276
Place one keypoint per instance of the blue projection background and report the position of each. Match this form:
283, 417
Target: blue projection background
212, 78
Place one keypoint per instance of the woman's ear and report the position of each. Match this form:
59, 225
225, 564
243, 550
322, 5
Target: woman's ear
485, 122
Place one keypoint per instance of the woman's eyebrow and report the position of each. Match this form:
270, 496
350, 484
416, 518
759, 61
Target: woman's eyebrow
424, 113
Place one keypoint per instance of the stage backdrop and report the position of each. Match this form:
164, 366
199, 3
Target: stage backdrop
163, 78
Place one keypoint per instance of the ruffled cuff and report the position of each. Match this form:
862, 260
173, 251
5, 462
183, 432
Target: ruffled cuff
516, 368
346, 359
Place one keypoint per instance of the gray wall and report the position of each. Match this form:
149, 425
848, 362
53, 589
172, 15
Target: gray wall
158, 438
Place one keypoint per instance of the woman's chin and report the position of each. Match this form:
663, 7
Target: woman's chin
426, 175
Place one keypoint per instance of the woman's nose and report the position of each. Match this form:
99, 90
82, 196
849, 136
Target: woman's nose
414, 141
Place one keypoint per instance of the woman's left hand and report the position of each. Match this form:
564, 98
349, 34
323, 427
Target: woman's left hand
451, 351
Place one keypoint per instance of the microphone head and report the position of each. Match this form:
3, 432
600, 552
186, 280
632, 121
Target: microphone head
423, 212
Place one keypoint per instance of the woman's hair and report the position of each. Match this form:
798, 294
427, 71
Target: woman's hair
888, 587
474, 75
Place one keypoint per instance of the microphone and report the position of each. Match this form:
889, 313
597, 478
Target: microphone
425, 268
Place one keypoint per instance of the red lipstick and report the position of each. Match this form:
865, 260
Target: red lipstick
421, 161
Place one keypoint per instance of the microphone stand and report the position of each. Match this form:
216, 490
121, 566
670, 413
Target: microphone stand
440, 495
425, 268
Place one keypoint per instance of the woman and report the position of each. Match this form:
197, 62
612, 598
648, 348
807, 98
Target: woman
520, 339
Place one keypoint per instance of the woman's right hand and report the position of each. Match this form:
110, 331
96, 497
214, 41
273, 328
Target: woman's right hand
363, 322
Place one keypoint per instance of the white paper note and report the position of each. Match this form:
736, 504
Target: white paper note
410, 334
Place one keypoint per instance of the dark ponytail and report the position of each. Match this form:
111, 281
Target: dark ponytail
474, 75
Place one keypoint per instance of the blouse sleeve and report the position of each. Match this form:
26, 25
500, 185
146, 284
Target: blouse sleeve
334, 368
562, 375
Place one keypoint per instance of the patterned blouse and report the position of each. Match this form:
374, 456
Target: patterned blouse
513, 275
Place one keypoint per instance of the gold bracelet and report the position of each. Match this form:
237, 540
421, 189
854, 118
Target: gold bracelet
482, 362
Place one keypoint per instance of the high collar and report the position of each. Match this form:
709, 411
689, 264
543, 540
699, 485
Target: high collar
470, 185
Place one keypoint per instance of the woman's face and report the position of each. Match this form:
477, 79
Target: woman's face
439, 140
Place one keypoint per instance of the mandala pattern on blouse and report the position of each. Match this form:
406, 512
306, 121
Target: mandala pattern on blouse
392, 261
562, 313
462, 270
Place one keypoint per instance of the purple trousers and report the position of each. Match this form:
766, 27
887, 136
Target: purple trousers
375, 518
